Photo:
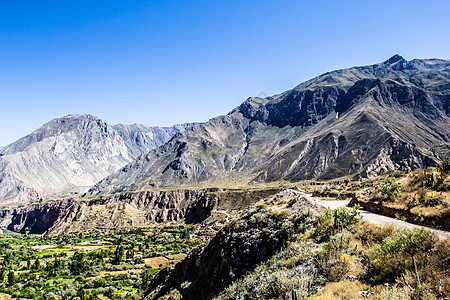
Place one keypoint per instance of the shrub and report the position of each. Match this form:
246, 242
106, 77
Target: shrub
291, 273
333, 221
389, 189
267, 282
370, 234
279, 215
396, 173
333, 259
444, 166
437, 180
397, 254
434, 270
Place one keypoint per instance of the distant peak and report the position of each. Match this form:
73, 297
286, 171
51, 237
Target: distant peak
78, 117
395, 59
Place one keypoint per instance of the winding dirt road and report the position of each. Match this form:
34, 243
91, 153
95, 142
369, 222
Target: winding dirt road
382, 220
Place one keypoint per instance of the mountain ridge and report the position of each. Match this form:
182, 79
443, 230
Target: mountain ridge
70, 154
309, 132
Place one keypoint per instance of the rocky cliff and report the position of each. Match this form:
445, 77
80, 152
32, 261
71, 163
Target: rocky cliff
357, 122
127, 210
141, 139
35, 219
234, 251
72, 153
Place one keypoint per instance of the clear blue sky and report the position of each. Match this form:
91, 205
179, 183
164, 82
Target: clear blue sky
167, 62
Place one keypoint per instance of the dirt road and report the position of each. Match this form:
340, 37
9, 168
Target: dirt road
382, 220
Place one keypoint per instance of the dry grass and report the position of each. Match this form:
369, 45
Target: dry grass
155, 262
342, 290
113, 273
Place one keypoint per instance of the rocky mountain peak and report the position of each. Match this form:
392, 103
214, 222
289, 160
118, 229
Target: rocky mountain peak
394, 59
397, 62
82, 125
71, 122
360, 121
71, 153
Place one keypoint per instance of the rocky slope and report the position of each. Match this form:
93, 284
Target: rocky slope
72, 153
141, 138
356, 122
126, 210
235, 250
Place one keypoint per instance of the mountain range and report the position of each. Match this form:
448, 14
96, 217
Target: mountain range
72, 153
351, 123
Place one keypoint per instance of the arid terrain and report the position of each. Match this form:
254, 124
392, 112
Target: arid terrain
336, 189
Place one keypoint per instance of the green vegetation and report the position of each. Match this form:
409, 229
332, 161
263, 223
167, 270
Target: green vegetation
333, 255
332, 222
389, 189
420, 197
397, 254
117, 265
383, 262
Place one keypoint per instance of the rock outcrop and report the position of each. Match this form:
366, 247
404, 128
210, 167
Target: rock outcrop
35, 219
357, 122
234, 251
127, 210
70, 154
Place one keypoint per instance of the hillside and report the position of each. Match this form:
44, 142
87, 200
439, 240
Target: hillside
72, 153
288, 247
357, 122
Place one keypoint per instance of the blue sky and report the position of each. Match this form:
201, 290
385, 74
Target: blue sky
167, 62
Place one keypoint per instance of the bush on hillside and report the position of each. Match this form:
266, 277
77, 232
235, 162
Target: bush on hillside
334, 260
389, 189
398, 253
332, 222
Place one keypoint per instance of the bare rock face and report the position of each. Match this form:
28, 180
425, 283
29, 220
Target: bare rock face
357, 122
36, 218
138, 209
72, 153
235, 250
126, 210
141, 139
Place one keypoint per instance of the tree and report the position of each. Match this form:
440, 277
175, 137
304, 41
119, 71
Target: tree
7, 258
79, 265
130, 253
118, 254
185, 233
146, 279
11, 278
37, 264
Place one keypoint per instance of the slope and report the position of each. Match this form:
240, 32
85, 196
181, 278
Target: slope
70, 154
357, 122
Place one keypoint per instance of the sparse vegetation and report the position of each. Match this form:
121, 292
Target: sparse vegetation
421, 197
351, 261
333, 254
389, 189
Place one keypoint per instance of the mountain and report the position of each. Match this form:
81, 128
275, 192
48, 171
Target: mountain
72, 153
141, 139
356, 122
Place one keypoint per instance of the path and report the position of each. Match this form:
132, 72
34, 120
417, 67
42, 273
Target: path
222, 212
380, 219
